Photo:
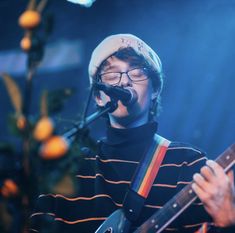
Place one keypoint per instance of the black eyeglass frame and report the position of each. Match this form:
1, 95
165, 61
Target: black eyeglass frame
144, 69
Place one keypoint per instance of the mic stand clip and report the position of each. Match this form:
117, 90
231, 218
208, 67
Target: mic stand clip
79, 127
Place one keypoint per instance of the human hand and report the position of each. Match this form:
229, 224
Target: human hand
216, 190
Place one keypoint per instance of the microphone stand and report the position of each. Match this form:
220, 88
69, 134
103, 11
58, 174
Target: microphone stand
71, 134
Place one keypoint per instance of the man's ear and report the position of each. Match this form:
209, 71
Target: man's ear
99, 100
154, 95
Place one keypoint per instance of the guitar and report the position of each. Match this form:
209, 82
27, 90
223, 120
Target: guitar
118, 223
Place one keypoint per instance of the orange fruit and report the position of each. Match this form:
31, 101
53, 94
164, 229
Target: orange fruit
25, 43
29, 19
21, 122
9, 188
54, 148
5, 192
43, 129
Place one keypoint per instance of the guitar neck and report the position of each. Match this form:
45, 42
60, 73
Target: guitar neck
173, 208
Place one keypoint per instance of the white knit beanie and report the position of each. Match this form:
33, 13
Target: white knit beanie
113, 43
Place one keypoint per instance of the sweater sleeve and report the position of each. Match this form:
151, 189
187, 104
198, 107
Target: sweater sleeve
42, 219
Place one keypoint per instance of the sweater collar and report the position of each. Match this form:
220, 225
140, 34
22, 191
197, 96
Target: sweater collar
118, 136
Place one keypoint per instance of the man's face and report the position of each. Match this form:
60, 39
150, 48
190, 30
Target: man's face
127, 115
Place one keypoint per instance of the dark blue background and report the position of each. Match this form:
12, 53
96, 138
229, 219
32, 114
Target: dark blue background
194, 39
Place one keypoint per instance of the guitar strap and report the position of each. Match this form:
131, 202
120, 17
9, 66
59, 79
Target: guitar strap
144, 177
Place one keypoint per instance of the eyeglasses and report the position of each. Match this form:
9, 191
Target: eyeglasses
114, 78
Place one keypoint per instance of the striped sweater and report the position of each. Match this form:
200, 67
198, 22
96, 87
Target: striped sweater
104, 178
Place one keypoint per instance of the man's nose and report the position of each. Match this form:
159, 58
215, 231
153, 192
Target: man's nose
125, 80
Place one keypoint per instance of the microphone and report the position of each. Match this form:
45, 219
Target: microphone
128, 96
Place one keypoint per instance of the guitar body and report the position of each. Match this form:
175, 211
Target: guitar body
116, 223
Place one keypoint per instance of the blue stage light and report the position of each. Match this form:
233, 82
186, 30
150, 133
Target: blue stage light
86, 3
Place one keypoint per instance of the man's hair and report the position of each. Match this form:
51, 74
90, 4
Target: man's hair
130, 56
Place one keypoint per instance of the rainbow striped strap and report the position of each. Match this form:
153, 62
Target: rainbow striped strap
144, 177
203, 229
149, 167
